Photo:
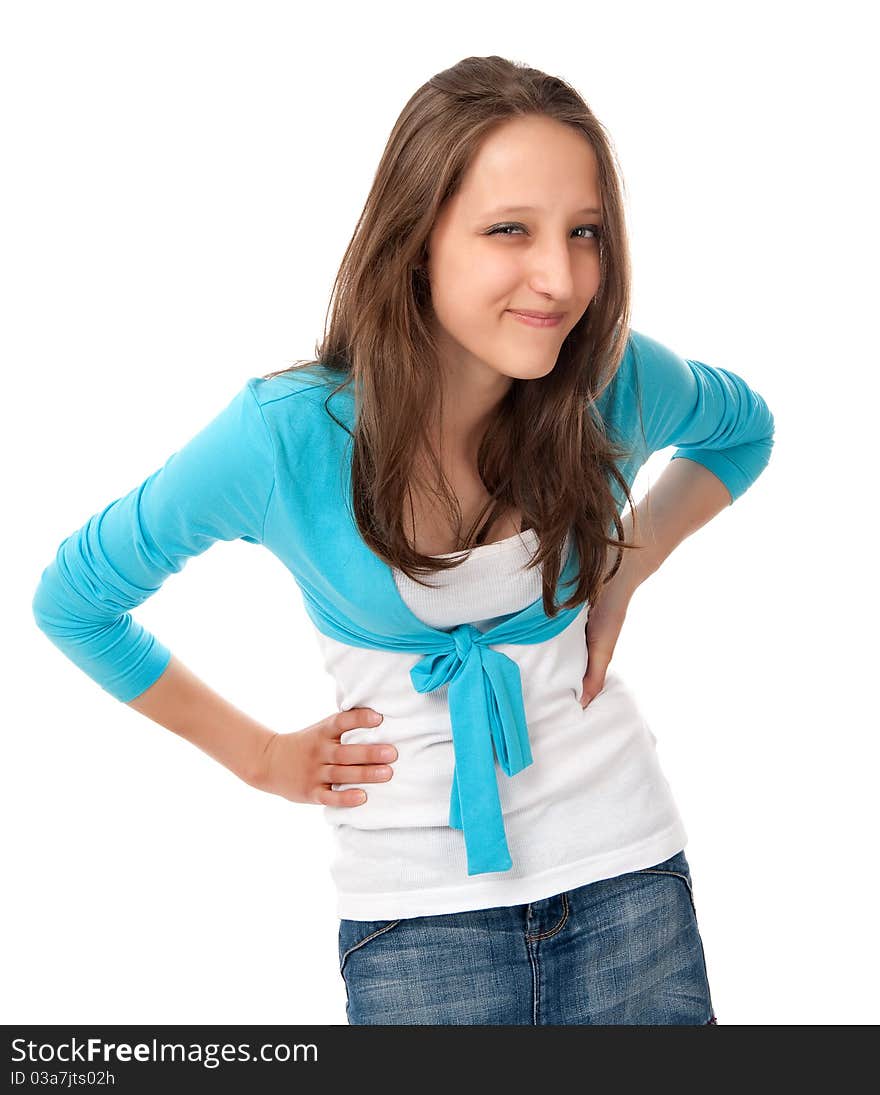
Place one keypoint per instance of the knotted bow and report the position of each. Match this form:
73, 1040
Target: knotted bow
485, 691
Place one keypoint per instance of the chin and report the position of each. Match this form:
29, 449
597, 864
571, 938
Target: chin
528, 371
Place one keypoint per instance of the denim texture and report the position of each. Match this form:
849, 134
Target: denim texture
622, 950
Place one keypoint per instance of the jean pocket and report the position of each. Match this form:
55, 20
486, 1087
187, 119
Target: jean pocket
354, 934
678, 866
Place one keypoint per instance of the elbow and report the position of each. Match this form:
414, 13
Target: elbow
767, 425
771, 428
41, 604
47, 616
51, 610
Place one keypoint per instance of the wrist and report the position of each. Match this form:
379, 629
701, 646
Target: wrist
258, 773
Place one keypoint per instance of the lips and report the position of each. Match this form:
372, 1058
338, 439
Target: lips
538, 315
538, 319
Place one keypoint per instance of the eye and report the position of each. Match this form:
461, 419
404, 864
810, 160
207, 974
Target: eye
502, 230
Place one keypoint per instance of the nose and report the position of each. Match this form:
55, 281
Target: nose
550, 272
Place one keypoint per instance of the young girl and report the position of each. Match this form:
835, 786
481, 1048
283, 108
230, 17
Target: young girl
446, 483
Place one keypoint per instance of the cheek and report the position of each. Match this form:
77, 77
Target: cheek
470, 304
474, 278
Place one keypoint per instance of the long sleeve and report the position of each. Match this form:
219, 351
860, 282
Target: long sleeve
217, 487
711, 414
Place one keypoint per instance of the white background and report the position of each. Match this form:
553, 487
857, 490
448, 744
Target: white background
180, 182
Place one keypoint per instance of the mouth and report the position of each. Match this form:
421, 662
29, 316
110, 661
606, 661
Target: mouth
538, 319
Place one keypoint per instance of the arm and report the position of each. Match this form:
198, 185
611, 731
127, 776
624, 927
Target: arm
685, 497
217, 487
183, 703
710, 414
724, 435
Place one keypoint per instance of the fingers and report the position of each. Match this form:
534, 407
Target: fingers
337, 752
351, 797
361, 753
355, 763
356, 773
352, 719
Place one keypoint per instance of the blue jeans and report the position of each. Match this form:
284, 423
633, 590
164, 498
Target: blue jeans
619, 950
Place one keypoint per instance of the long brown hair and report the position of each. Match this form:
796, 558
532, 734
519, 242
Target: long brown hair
547, 451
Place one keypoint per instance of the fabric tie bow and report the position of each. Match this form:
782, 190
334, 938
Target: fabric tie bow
486, 710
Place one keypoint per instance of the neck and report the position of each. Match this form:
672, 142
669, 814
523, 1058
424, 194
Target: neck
472, 393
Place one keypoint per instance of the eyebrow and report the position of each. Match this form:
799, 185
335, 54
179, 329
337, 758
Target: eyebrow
532, 208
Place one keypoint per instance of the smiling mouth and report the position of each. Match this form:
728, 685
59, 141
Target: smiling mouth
540, 319
537, 315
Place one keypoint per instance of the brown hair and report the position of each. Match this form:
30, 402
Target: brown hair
547, 451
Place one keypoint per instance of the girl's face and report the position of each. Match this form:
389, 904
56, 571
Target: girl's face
486, 261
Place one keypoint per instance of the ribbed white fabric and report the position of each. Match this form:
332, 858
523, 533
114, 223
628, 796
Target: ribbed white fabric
593, 804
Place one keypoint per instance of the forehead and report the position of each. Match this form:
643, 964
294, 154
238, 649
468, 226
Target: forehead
535, 162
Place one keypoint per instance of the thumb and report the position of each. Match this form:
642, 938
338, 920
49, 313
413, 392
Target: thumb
594, 679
